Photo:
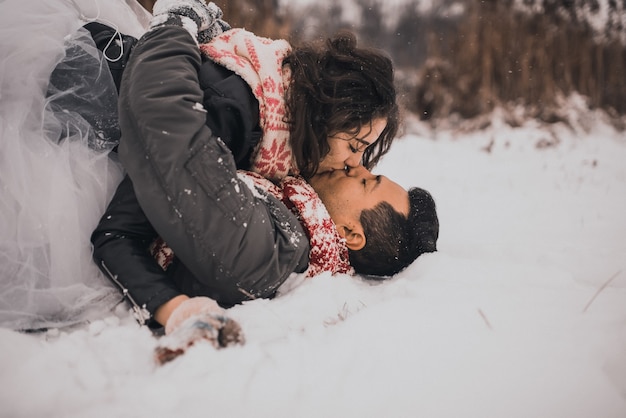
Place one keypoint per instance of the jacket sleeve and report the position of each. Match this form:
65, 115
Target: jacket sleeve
185, 180
121, 244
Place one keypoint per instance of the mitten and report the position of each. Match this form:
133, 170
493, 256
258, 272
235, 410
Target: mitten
203, 21
191, 307
219, 330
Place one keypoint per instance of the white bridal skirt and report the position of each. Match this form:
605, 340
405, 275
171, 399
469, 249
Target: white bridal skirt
56, 175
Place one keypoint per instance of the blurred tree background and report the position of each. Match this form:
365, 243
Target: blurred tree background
459, 59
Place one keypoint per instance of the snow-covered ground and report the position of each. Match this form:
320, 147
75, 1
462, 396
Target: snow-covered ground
512, 317
521, 312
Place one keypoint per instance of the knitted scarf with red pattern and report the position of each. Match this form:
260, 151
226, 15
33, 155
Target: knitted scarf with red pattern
259, 61
328, 252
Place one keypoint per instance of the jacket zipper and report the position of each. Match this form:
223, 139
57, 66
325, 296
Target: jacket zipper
140, 313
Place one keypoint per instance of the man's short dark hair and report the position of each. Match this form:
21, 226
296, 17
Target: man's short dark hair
394, 241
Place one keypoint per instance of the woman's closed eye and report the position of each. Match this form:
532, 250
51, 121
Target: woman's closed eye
361, 146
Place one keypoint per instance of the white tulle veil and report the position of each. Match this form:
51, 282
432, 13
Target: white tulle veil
56, 176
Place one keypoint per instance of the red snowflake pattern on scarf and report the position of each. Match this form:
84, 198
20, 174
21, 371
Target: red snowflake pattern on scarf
329, 251
259, 61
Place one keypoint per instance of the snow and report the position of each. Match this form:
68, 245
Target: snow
521, 312
504, 320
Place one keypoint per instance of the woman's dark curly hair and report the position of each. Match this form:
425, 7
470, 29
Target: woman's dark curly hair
337, 87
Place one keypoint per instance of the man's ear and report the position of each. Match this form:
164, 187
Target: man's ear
354, 235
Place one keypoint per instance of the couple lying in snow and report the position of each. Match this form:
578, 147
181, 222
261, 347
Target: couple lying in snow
246, 161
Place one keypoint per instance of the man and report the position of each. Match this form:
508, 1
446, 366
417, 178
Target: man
235, 236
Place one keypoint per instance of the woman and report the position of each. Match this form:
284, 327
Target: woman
280, 111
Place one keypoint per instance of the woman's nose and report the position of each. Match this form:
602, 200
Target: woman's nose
354, 160
356, 171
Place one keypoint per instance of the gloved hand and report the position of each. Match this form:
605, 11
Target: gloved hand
203, 21
197, 319
191, 307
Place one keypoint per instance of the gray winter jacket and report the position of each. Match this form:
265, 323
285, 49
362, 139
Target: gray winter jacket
230, 244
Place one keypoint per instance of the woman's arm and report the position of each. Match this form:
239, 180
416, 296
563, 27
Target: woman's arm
185, 177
